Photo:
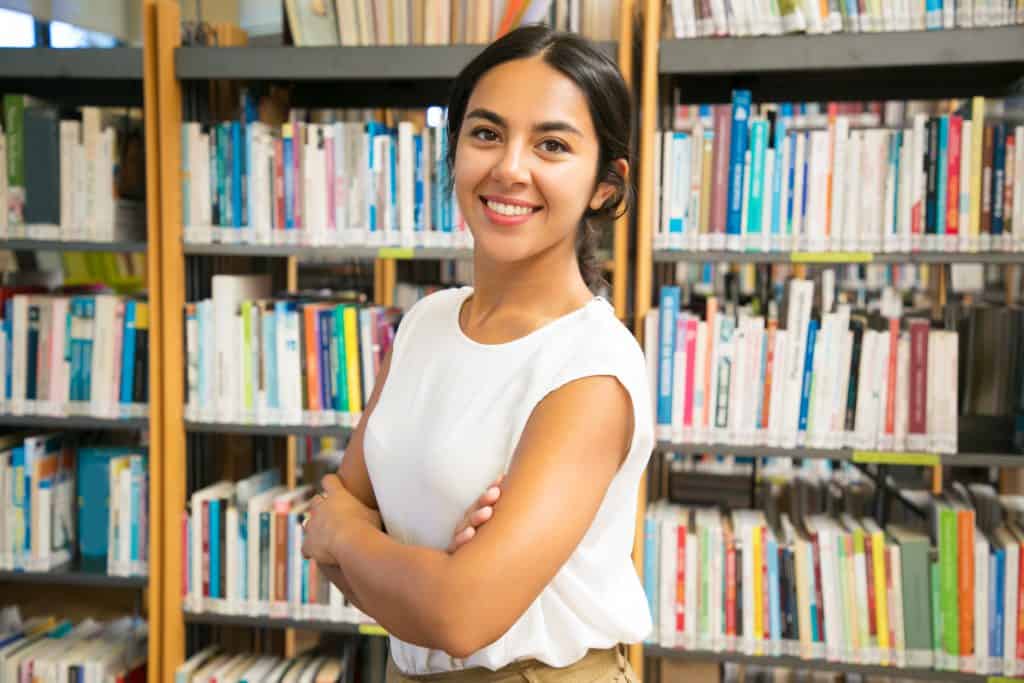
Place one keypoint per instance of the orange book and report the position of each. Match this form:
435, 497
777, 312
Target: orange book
965, 574
513, 14
833, 111
769, 366
890, 394
311, 328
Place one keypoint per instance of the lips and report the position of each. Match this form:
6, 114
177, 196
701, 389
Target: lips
508, 212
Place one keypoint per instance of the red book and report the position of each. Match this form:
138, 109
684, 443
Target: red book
952, 207
278, 183
872, 600
720, 164
986, 180
890, 394
769, 366
819, 600
1010, 176
298, 154
918, 414
205, 514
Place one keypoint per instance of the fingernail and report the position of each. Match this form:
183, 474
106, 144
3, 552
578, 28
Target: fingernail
493, 491
469, 532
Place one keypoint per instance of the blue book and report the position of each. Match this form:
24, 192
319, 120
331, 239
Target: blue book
942, 177
237, 180
226, 182
19, 540
816, 635
444, 197
758, 144
128, 354
933, 15
998, 176
214, 176
264, 554
895, 144
741, 100
393, 179
268, 319
32, 354
138, 475
328, 379
418, 184
774, 613
668, 311
250, 132
781, 140
374, 164
651, 567
243, 551
305, 581
215, 559
790, 186
89, 311
8, 349
805, 390
288, 152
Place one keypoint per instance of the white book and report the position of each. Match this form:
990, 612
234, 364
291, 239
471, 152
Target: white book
904, 189
19, 354
406, 175
836, 435
813, 434
699, 433
768, 197
232, 595
663, 197
59, 367
943, 431
741, 242
868, 368
668, 546
778, 388
890, 235
801, 295
679, 364
692, 562
717, 588
839, 190
69, 134
691, 239
797, 240
678, 190
852, 180
228, 292
981, 590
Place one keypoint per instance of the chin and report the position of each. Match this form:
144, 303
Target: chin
503, 247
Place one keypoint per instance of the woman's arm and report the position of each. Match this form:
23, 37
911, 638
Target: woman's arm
461, 602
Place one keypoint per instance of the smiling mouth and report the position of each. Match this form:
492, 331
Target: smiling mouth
509, 210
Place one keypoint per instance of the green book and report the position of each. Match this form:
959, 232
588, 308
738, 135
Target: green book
937, 615
14, 130
950, 586
915, 573
338, 347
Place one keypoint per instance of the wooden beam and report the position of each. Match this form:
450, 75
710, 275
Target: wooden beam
168, 312
620, 236
154, 281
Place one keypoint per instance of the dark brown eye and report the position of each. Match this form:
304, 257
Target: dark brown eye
554, 146
484, 134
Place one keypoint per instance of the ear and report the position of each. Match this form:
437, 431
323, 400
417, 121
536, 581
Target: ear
606, 190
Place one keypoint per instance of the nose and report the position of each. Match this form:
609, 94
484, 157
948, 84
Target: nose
512, 166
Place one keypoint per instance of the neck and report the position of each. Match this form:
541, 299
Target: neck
548, 284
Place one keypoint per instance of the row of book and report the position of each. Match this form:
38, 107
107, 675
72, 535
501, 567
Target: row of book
53, 650
834, 380
705, 18
442, 22
338, 183
818, 578
61, 503
243, 554
214, 664
260, 360
74, 355
877, 177
70, 174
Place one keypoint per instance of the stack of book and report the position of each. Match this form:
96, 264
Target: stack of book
243, 544
213, 664
818, 578
698, 19
70, 175
253, 359
875, 177
60, 503
74, 355
830, 379
333, 182
50, 649
442, 22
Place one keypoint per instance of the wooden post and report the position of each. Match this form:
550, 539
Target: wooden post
644, 243
620, 236
169, 390
154, 595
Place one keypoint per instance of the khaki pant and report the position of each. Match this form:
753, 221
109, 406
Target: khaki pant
597, 666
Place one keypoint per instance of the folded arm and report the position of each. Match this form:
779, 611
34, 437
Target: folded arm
570, 449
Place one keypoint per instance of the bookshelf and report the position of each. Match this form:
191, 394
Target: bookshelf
845, 66
102, 77
317, 77
819, 665
71, 576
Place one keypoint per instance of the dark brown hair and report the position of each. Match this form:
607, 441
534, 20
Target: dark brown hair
611, 109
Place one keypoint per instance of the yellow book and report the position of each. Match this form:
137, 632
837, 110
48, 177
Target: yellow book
758, 553
355, 395
977, 143
881, 594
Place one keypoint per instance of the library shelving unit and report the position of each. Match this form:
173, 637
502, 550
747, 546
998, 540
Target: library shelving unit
399, 76
112, 77
908, 65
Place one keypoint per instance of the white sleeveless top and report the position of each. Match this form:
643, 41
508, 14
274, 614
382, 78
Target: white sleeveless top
447, 424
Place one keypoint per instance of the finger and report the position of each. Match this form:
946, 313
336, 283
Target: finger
330, 482
480, 516
489, 497
463, 537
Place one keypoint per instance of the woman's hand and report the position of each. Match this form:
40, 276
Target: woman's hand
333, 513
477, 515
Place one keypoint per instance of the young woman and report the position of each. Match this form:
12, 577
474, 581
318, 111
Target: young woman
526, 375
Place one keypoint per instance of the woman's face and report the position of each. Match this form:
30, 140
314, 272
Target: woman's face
526, 162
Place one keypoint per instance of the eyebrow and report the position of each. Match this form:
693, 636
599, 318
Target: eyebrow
543, 127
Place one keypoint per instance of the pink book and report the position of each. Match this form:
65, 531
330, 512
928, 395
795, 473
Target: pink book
298, 154
720, 166
691, 354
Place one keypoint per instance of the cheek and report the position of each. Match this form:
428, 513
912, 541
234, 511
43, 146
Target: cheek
471, 167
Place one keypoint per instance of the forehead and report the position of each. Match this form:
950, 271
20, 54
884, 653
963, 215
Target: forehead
530, 91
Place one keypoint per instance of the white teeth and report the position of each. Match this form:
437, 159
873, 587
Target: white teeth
508, 209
